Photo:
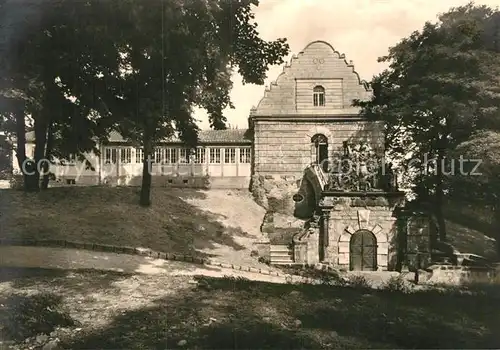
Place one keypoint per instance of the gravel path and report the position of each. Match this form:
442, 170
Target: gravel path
72, 259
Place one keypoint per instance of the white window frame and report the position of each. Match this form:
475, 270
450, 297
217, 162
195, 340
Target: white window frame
126, 155
200, 155
110, 155
139, 155
230, 155
245, 155
319, 96
215, 156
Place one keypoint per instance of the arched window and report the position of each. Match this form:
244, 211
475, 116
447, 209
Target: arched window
319, 96
320, 144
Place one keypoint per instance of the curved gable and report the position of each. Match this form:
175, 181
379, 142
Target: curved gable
317, 65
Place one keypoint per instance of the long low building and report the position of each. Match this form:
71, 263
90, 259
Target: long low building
222, 155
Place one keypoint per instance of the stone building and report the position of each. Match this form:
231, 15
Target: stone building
306, 117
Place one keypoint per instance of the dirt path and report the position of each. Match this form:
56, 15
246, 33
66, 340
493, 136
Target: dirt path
72, 259
234, 209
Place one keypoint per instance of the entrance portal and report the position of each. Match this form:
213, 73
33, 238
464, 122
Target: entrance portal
363, 251
321, 144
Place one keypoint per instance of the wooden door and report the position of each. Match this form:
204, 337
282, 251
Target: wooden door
363, 251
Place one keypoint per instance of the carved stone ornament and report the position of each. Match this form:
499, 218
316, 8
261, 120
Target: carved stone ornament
363, 217
354, 168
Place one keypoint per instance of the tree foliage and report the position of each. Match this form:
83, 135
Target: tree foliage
139, 67
441, 85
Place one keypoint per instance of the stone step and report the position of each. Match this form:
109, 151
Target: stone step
279, 248
281, 257
281, 261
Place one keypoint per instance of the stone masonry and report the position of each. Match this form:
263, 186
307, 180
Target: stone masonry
286, 119
348, 215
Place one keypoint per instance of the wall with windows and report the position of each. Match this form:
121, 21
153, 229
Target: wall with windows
215, 161
287, 148
123, 165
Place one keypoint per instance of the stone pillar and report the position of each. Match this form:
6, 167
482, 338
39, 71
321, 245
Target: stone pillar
326, 225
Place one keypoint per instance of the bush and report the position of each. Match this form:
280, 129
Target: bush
358, 281
324, 277
24, 317
397, 284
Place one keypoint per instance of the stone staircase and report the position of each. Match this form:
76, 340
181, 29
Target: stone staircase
281, 254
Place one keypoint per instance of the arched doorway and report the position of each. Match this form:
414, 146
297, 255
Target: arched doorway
320, 143
363, 251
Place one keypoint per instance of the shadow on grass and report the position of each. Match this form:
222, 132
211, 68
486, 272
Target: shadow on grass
238, 314
66, 279
24, 315
471, 229
27, 316
108, 215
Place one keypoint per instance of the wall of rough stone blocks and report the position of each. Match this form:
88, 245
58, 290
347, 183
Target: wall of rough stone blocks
345, 221
285, 147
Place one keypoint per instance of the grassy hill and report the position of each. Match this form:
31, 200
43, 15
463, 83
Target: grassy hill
217, 223
471, 229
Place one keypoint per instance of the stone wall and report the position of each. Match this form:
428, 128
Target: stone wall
353, 214
275, 193
456, 275
284, 147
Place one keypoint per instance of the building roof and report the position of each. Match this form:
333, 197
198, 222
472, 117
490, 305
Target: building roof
229, 136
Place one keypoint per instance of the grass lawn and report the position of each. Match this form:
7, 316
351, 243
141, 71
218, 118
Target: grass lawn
143, 312
218, 223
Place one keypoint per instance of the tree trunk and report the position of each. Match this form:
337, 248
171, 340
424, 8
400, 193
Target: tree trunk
145, 199
48, 155
28, 179
40, 143
439, 197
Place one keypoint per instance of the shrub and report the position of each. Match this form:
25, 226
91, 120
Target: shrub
397, 284
358, 281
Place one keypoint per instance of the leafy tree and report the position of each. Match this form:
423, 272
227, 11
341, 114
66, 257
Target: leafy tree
177, 55
139, 67
439, 87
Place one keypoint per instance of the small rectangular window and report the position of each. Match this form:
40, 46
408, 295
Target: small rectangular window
230, 156
215, 156
200, 156
110, 155
159, 155
245, 155
170, 155
139, 155
126, 155
185, 155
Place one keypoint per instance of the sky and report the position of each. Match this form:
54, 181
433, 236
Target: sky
362, 29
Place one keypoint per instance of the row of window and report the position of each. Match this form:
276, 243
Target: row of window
177, 155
